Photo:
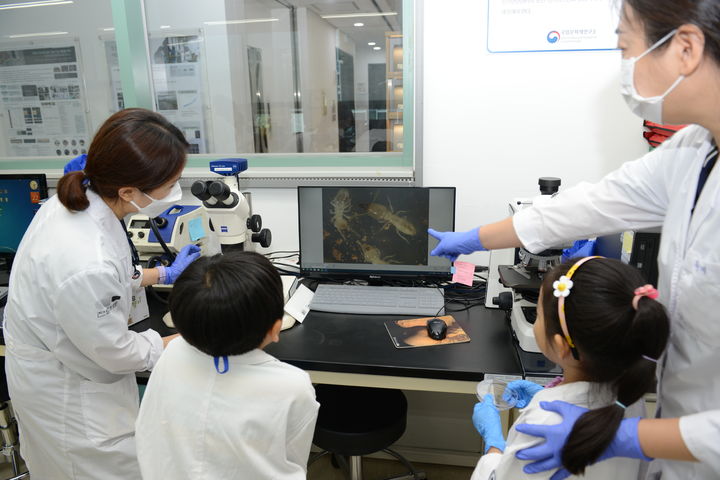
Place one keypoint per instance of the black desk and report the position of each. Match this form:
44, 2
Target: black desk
357, 350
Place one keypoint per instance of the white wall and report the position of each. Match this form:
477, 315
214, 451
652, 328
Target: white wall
494, 123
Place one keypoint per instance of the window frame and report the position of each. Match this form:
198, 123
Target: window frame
273, 170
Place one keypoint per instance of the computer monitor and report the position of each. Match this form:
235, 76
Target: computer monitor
373, 232
20, 197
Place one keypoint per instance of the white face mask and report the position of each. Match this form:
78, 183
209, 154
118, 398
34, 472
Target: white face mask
158, 206
646, 108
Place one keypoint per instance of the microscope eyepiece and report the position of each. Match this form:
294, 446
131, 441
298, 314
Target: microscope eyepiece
219, 190
200, 190
549, 185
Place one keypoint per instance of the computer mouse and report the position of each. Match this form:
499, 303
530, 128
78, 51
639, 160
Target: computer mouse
437, 329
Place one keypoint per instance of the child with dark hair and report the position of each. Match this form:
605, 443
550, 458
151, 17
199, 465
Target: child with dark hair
216, 405
602, 325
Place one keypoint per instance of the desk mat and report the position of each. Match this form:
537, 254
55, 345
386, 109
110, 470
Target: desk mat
412, 333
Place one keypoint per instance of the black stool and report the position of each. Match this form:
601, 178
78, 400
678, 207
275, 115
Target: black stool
356, 421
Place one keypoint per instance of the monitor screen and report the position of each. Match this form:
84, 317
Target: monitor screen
374, 232
20, 198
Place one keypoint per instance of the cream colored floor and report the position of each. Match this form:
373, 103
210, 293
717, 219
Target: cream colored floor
375, 469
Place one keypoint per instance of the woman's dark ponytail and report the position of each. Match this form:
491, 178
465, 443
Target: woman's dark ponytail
71, 191
644, 343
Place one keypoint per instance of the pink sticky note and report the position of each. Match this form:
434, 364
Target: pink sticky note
464, 273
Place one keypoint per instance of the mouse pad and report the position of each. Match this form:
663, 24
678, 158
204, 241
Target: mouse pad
412, 332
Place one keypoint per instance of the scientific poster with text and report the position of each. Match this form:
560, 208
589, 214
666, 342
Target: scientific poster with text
177, 78
551, 25
42, 101
117, 101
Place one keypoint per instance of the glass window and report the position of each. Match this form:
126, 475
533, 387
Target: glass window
279, 76
52, 69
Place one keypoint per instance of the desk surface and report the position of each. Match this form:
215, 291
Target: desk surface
357, 350
360, 344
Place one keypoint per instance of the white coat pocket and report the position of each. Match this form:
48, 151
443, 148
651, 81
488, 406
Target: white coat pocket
109, 410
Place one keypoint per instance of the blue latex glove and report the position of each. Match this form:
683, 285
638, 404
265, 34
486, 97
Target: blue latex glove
580, 249
187, 255
76, 164
547, 455
486, 419
525, 390
453, 244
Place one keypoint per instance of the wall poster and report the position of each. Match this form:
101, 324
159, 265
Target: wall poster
177, 78
43, 101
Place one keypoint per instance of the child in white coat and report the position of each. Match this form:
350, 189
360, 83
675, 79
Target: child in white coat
601, 324
216, 405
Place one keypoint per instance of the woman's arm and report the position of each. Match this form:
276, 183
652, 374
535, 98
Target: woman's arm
662, 438
634, 196
150, 277
166, 275
689, 438
500, 234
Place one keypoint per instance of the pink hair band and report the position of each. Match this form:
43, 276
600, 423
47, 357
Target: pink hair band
644, 291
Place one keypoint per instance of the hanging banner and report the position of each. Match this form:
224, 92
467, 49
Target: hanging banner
551, 25
43, 101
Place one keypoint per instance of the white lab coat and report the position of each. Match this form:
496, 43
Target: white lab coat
505, 466
71, 360
659, 189
256, 421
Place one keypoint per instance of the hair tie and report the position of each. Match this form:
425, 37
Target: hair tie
86, 179
654, 360
644, 291
620, 405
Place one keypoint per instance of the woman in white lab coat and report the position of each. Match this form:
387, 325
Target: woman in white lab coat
671, 53
71, 359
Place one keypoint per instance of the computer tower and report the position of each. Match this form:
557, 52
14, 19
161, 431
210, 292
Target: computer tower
637, 248
641, 249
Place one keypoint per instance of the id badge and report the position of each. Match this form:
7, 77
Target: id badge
139, 309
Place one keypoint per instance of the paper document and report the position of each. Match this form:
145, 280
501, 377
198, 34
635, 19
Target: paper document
299, 304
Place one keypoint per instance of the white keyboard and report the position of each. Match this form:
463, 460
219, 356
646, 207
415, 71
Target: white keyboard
360, 299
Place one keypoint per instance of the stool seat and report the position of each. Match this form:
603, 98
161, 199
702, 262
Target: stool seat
356, 421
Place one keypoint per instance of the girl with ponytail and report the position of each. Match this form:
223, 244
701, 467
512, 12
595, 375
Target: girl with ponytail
598, 320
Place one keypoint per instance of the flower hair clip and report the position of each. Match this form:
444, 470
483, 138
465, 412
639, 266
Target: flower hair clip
562, 287
644, 291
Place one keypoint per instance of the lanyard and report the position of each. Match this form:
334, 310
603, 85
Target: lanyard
133, 250
710, 160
